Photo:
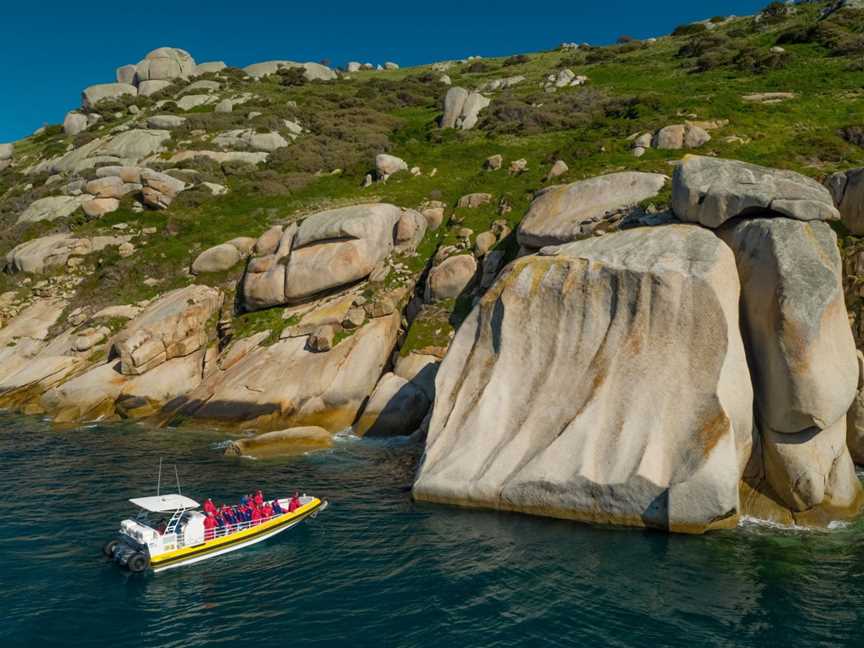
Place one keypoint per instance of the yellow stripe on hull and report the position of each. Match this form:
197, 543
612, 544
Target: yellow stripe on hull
235, 538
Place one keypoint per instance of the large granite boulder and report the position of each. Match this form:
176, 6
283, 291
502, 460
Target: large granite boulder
607, 383
39, 254
338, 247
217, 259
288, 385
136, 144
462, 108
92, 95
710, 191
448, 279
560, 214
811, 468
22, 389
263, 284
105, 392
312, 71
847, 189
173, 326
74, 123
25, 336
396, 407
165, 63
51, 208
855, 418
794, 321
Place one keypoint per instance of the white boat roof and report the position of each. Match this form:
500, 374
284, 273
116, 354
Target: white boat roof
163, 503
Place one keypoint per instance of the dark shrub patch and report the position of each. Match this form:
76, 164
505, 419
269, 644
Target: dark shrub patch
689, 30
517, 59
853, 135
478, 67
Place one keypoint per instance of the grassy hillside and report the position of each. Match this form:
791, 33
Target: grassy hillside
698, 74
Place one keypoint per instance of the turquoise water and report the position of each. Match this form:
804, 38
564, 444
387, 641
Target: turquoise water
375, 569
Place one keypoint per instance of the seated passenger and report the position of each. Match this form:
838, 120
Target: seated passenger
228, 516
266, 511
209, 526
277, 509
256, 516
244, 500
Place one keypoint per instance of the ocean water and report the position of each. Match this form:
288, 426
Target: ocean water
375, 569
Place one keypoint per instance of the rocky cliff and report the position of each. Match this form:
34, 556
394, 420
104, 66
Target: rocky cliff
520, 261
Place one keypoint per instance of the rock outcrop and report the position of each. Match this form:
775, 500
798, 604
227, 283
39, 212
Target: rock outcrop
565, 213
171, 327
288, 385
710, 191
535, 422
165, 64
462, 108
92, 95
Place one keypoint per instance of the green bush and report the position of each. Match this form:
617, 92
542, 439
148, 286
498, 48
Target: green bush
478, 67
842, 33
292, 76
524, 115
717, 19
757, 61
518, 59
689, 30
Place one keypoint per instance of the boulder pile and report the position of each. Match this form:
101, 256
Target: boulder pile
640, 355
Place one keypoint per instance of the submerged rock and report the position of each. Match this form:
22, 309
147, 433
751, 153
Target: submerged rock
294, 441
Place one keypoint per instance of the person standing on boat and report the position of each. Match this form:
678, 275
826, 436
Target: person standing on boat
259, 499
209, 526
209, 506
295, 503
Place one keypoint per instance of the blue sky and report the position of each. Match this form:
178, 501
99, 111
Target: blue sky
50, 51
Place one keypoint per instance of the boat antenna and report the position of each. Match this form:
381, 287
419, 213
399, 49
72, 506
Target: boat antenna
159, 478
177, 475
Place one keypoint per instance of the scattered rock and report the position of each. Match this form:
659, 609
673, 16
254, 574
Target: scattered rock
474, 200
449, 279
216, 259
74, 123
387, 165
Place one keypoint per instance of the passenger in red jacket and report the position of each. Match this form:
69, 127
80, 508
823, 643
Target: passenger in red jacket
295, 503
209, 506
259, 498
256, 516
209, 526
266, 511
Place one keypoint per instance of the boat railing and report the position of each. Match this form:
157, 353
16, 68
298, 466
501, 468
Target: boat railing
229, 529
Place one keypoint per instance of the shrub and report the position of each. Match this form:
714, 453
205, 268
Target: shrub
717, 19
853, 135
689, 30
292, 76
625, 39
775, 10
511, 114
478, 67
758, 61
842, 33
517, 59
599, 55
702, 44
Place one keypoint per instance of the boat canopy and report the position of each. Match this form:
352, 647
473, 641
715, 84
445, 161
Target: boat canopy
164, 503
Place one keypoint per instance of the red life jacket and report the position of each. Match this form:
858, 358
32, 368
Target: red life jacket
259, 499
294, 505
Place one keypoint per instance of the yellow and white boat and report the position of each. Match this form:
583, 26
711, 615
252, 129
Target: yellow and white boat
141, 544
